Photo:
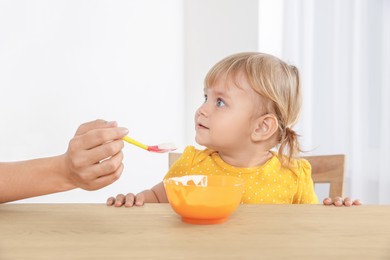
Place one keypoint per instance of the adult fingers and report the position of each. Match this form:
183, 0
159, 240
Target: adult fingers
85, 158
92, 183
96, 137
89, 176
106, 180
96, 124
108, 166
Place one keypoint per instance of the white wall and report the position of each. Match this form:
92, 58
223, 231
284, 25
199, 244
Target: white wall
213, 30
66, 62
141, 63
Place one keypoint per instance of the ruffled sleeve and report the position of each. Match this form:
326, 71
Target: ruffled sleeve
305, 190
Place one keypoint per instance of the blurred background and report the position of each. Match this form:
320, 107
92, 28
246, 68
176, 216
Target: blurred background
142, 63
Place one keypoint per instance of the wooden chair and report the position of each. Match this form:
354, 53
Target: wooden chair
325, 169
329, 169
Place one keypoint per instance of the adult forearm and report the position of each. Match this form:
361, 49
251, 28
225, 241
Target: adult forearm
25, 179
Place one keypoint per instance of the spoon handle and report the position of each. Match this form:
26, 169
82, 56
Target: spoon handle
134, 142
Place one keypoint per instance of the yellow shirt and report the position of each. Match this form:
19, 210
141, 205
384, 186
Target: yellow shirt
267, 184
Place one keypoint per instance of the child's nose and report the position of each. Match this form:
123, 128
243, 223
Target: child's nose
202, 110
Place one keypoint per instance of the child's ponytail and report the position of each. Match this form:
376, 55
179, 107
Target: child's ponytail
289, 146
287, 108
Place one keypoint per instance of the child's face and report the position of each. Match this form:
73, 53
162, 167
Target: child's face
226, 119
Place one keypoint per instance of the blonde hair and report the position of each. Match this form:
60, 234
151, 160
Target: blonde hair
277, 83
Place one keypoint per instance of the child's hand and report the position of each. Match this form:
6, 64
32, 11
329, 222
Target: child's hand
129, 200
338, 202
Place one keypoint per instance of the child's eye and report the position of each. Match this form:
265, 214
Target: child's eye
220, 103
205, 98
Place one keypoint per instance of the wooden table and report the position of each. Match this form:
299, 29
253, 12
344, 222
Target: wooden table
154, 231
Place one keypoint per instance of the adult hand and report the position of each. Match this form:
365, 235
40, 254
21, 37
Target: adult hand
94, 156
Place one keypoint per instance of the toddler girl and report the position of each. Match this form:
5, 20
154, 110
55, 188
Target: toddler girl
252, 101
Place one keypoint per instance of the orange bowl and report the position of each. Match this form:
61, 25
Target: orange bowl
201, 199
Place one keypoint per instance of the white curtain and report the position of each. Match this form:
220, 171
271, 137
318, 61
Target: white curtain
343, 51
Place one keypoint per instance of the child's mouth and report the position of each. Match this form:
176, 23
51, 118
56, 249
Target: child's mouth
200, 126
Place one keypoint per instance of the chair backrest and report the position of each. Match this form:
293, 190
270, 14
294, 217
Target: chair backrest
173, 158
329, 169
325, 169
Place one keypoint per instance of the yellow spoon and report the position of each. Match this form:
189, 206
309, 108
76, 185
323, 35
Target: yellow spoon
161, 148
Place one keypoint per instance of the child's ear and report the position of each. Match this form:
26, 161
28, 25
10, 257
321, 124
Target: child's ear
266, 126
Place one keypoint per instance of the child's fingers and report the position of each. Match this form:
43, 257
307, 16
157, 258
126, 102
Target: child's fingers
110, 201
347, 202
338, 202
119, 200
327, 201
130, 199
357, 203
139, 199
